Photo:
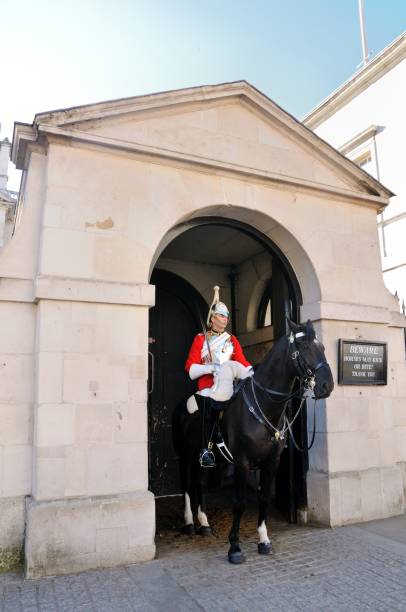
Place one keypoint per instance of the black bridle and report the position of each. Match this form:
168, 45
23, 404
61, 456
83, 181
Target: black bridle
301, 365
306, 376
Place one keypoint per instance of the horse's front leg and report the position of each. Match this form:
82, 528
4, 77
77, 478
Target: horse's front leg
235, 555
264, 491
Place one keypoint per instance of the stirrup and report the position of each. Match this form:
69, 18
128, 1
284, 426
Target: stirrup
207, 458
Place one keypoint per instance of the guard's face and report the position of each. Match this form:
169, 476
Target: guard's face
219, 323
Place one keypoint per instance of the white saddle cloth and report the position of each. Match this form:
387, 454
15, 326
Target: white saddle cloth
223, 388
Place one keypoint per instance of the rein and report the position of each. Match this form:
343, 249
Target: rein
279, 432
307, 382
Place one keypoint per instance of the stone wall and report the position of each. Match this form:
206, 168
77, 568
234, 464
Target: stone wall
356, 465
17, 325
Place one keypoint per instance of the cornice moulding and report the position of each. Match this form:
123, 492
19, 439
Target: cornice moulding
359, 139
342, 311
95, 291
16, 290
176, 98
387, 59
207, 164
25, 140
112, 108
68, 122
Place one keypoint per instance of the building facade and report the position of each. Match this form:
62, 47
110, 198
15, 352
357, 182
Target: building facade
365, 120
8, 199
126, 208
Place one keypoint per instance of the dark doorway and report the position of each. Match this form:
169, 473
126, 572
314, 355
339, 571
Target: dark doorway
174, 322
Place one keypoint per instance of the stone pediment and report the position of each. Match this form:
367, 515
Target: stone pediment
231, 126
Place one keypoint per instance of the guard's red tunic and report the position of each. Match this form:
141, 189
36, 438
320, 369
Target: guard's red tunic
195, 356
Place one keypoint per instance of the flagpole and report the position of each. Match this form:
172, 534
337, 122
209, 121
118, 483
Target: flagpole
365, 54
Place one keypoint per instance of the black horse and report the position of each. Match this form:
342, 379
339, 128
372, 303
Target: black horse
255, 428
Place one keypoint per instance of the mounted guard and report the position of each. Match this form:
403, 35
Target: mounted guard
255, 424
215, 359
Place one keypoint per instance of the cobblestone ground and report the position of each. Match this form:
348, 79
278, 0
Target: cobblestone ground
311, 569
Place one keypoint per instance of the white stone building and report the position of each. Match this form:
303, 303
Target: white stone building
365, 120
130, 211
8, 199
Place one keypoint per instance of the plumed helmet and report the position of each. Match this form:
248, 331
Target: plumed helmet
217, 307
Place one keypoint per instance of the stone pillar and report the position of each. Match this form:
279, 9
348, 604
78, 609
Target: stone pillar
357, 463
90, 505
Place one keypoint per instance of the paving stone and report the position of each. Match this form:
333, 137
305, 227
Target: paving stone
346, 569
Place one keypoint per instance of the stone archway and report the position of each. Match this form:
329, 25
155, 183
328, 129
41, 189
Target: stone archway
263, 227
200, 251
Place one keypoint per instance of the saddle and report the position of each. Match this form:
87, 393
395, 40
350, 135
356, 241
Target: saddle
198, 402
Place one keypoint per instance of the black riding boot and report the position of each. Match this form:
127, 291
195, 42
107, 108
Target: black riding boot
210, 432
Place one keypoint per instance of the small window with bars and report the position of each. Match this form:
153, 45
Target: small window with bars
265, 307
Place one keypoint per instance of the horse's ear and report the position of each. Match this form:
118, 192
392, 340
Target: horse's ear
309, 327
291, 325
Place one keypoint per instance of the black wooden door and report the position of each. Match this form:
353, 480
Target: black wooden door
173, 325
290, 482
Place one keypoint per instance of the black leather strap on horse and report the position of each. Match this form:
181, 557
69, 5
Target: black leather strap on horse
302, 366
301, 450
307, 373
286, 396
278, 432
304, 371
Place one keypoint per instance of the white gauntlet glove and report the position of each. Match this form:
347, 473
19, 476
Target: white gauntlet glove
197, 370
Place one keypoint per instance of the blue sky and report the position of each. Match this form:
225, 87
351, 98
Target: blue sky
62, 54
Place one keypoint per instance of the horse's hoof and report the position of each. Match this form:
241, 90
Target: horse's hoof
265, 548
236, 557
188, 529
205, 531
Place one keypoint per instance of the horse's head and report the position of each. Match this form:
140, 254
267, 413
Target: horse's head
309, 358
